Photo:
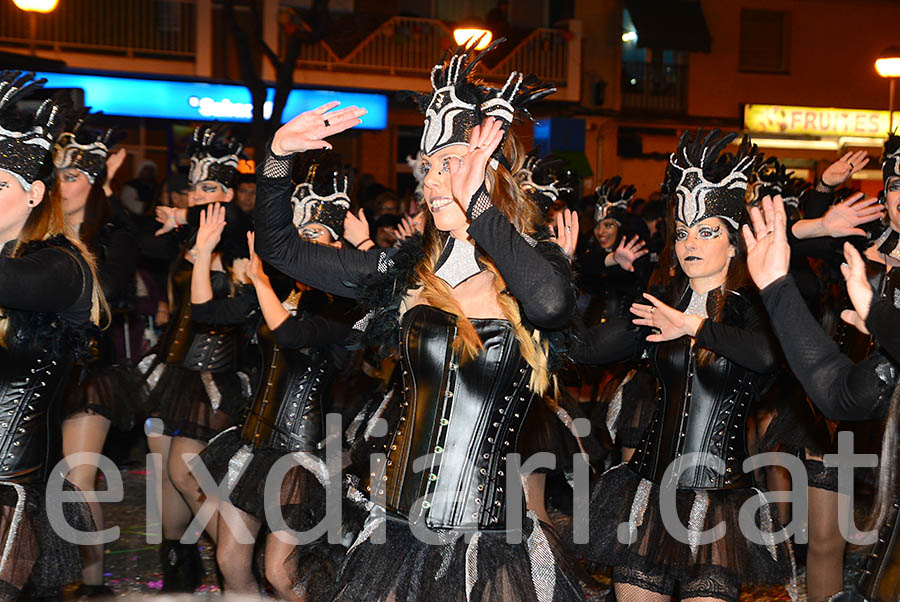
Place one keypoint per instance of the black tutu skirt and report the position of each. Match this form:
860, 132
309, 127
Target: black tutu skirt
479, 566
114, 391
196, 405
620, 495
34, 559
631, 407
302, 492
796, 426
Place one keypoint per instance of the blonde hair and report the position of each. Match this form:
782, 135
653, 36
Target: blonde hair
45, 221
525, 216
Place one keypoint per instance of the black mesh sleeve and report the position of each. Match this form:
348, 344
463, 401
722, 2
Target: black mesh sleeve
841, 389
538, 277
277, 243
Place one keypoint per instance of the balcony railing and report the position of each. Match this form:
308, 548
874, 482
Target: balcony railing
152, 28
410, 46
654, 88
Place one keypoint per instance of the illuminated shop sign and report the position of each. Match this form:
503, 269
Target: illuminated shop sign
196, 101
815, 121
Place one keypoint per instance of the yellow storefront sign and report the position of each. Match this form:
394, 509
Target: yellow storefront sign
815, 121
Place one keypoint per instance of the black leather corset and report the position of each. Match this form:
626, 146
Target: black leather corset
31, 379
286, 412
446, 461
699, 409
199, 347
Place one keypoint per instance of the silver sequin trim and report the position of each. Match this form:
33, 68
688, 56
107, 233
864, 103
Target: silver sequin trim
543, 563
378, 414
697, 519
215, 396
638, 509
373, 522
363, 323
531, 242
236, 465
615, 406
384, 263
154, 377
245, 384
14, 524
472, 565
460, 264
697, 306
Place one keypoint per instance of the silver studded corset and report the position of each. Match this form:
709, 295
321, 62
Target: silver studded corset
445, 463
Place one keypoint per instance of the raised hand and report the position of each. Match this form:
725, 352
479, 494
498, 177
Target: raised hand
307, 131
467, 174
356, 228
843, 218
114, 162
768, 252
671, 323
407, 228
212, 223
858, 287
840, 171
255, 271
628, 252
566, 232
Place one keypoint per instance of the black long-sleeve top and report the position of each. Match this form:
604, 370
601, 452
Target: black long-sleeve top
840, 388
329, 327
749, 345
538, 277
116, 250
50, 279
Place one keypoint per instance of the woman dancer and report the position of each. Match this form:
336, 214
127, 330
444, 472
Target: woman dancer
468, 312
50, 300
302, 346
196, 390
103, 390
711, 351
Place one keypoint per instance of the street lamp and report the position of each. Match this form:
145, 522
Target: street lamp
470, 35
888, 65
37, 6
32, 7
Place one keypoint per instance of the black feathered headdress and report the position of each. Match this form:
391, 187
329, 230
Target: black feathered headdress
546, 180
771, 178
84, 148
25, 141
323, 197
612, 200
459, 101
703, 184
214, 156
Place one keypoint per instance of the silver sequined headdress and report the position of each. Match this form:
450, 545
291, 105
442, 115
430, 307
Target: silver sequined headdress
459, 101
771, 178
545, 180
25, 141
214, 156
82, 148
612, 200
703, 184
322, 198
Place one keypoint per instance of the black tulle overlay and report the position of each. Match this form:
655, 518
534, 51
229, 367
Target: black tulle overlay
621, 496
196, 405
246, 468
114, 391
631, 407
478, 565
34, 558
796, 426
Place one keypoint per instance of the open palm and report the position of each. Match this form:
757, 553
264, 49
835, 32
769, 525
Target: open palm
308, 130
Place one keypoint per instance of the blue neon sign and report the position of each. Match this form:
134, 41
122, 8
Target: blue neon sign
197, 101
